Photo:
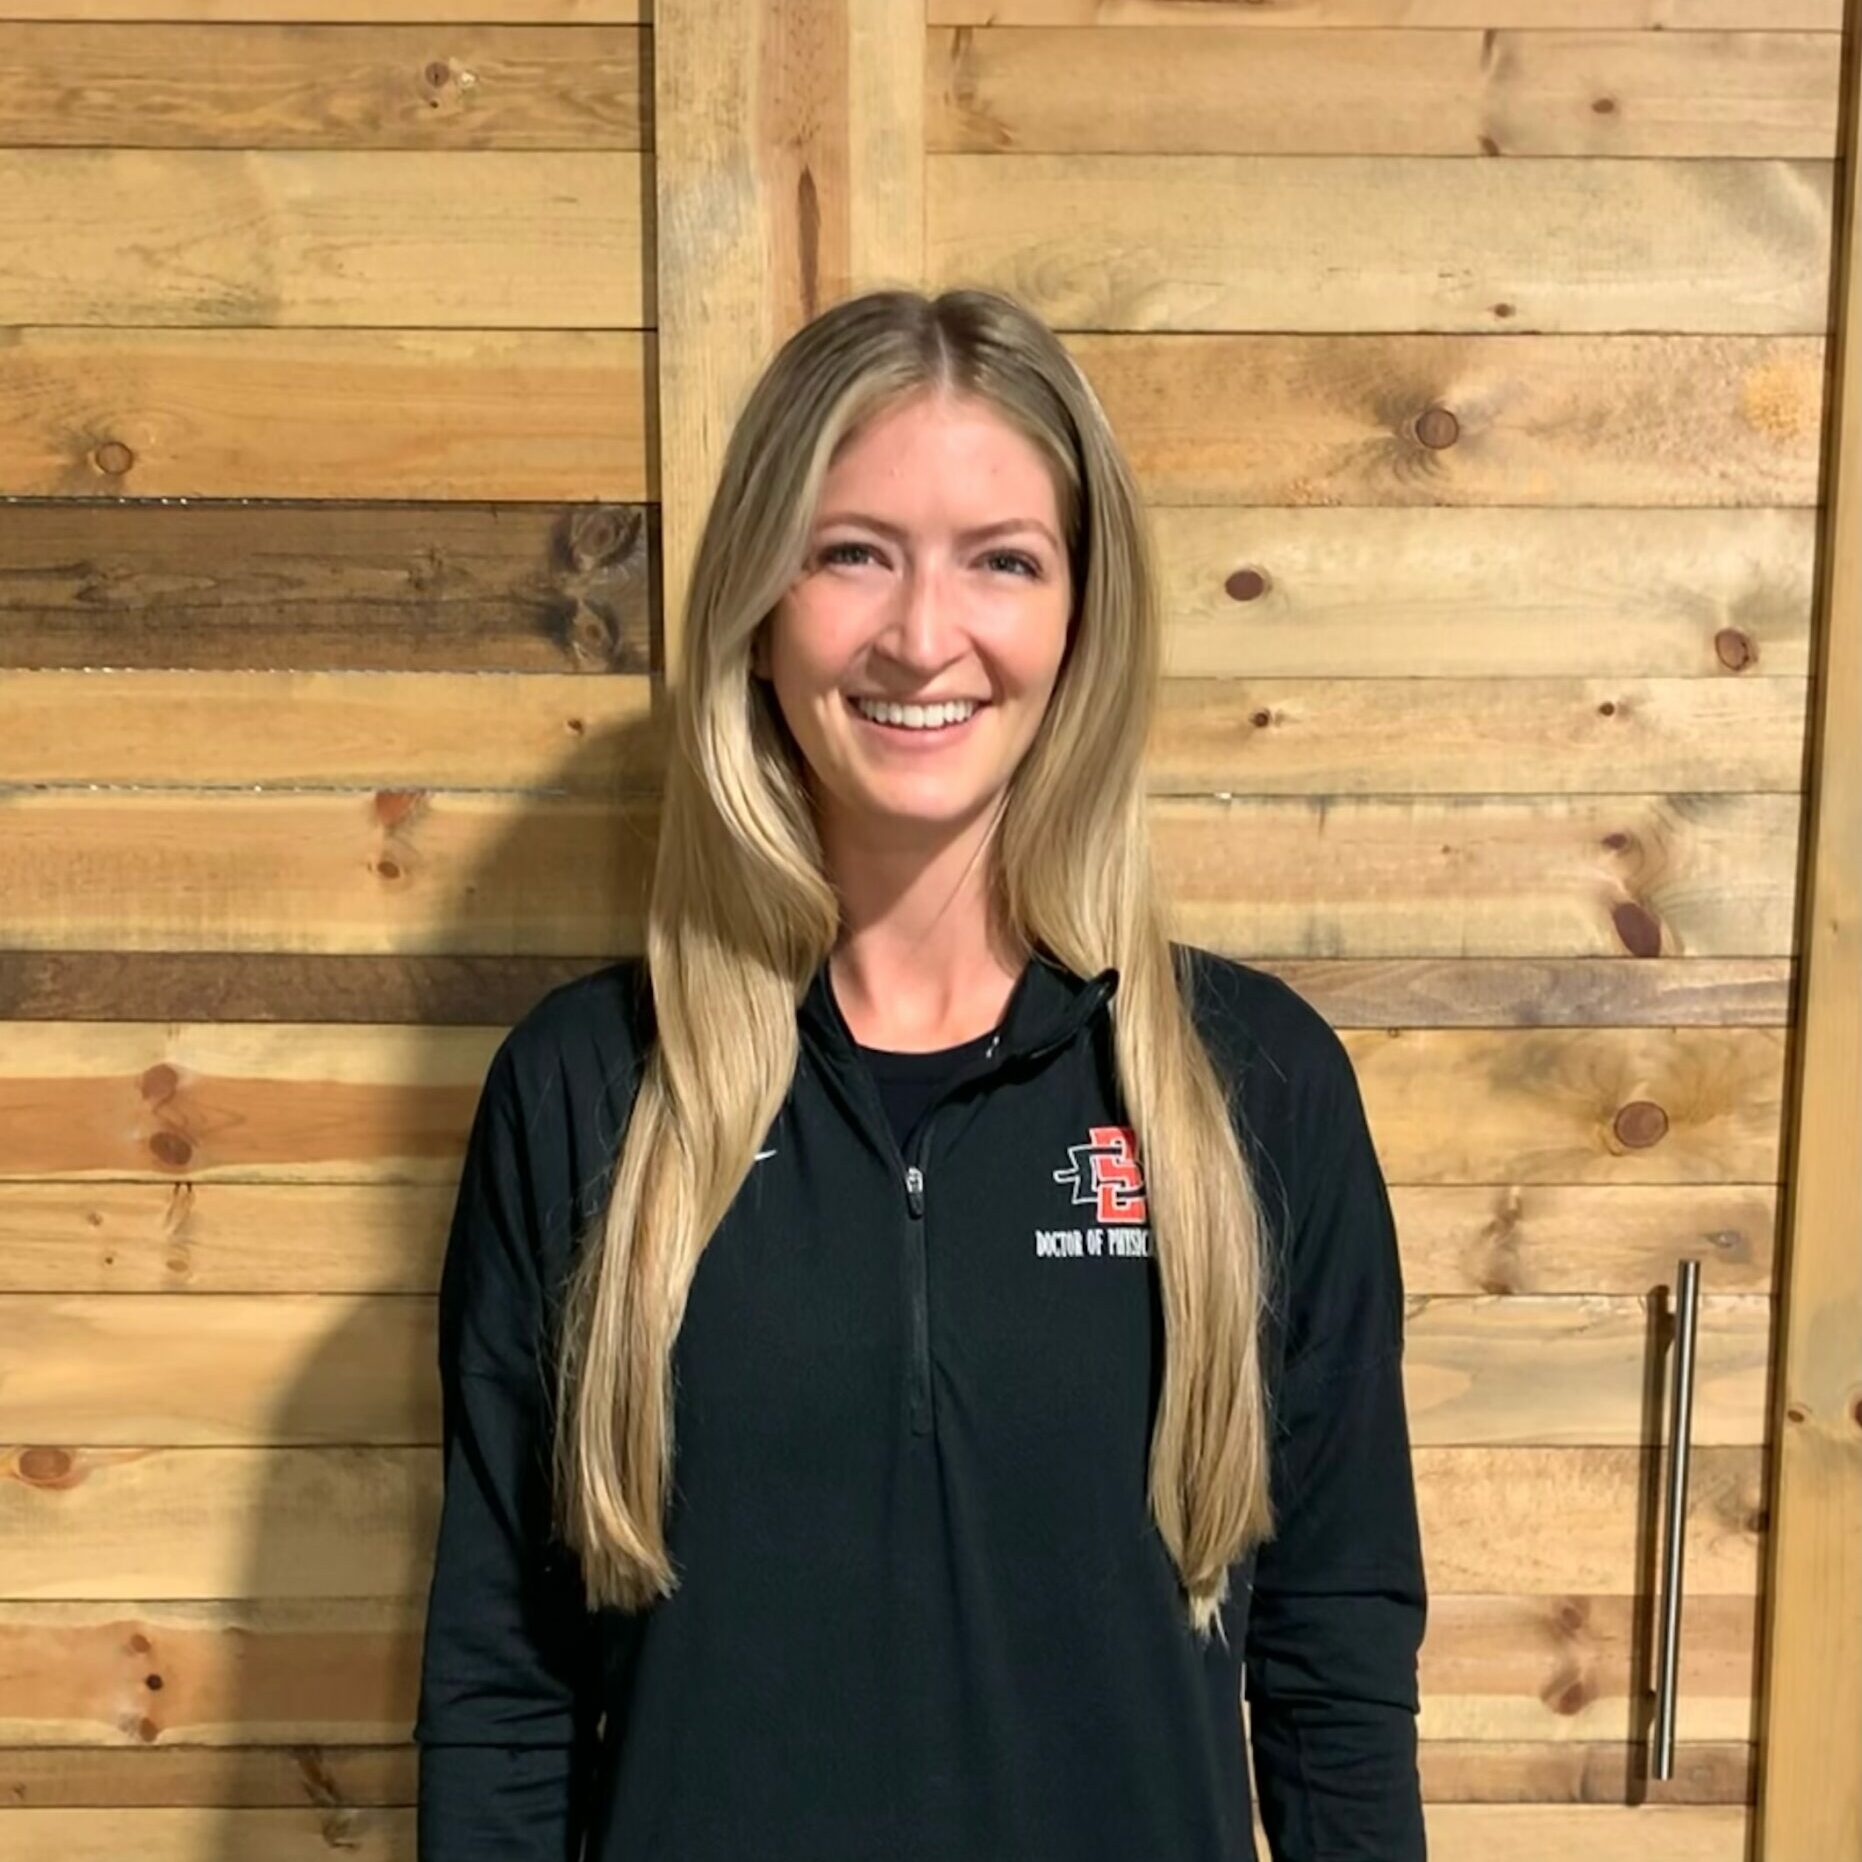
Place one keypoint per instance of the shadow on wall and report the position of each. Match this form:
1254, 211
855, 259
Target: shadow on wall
324, 1667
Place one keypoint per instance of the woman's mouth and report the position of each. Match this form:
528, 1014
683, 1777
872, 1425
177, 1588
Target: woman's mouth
916, 726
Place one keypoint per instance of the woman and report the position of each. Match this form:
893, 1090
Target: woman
914, 1341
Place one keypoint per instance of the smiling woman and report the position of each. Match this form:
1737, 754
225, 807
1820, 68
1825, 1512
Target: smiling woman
912, 1490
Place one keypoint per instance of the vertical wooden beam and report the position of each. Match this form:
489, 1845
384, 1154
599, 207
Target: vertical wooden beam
789, 173
1810, 1756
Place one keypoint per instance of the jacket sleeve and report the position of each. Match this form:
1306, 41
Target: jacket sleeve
1337, 1614
507, 1688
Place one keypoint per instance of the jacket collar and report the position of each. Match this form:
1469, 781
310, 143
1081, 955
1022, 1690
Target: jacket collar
1049, 1004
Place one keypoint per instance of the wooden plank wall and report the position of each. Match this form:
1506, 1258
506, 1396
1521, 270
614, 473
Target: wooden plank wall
326, 364
1472, 358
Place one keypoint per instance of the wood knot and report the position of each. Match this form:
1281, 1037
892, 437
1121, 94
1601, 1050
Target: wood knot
1638, 930
1245, 585
44, 1467
1640, 1124
1735, 649
1437, 428
112, 458
171, 1150
597, 534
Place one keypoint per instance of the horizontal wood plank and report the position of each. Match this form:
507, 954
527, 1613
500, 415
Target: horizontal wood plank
1511, 420
1418, 591
1573, 1237
479, 414
92, 1522
259, 1370
468, 239
538, 733
1488, 877
1453, 1771
125, 1237
1497, 1771
1388, 242
1193, 89
1502, 1520
1361, 736
189, 1835
1542, 1669
291, 1777
444, 991
516, 12
335, 586
1579, 1667
196, 85
1531, 876
1457, 1833
1520, 1371
1427, 15
210, 1522
276, 1369
122, 1236
1475, 992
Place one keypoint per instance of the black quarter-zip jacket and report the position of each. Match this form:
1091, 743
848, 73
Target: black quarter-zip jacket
923, 1610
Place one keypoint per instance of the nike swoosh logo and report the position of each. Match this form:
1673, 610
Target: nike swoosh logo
763, 1154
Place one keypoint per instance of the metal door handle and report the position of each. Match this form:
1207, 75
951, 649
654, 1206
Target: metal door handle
1680, 1421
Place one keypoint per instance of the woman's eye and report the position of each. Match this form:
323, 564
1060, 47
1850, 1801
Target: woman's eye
1015, 556
832, 552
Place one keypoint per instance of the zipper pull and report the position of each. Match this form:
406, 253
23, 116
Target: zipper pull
915, 1189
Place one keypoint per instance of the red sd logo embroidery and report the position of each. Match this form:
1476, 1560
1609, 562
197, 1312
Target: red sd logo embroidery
1105, 1172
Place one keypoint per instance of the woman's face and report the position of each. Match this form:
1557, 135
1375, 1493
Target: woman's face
935, 572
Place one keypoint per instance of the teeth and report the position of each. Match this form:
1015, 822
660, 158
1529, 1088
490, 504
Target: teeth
915, 717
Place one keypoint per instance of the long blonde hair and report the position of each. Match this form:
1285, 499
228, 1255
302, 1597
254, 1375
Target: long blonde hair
742, 913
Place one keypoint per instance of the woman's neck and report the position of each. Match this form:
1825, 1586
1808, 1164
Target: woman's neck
918, 965
916, 998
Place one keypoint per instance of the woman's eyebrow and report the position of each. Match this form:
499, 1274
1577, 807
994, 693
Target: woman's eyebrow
1000, 528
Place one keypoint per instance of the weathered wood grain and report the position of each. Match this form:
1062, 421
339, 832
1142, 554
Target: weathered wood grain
1185, 88
552, 414
332, 585
224, 84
